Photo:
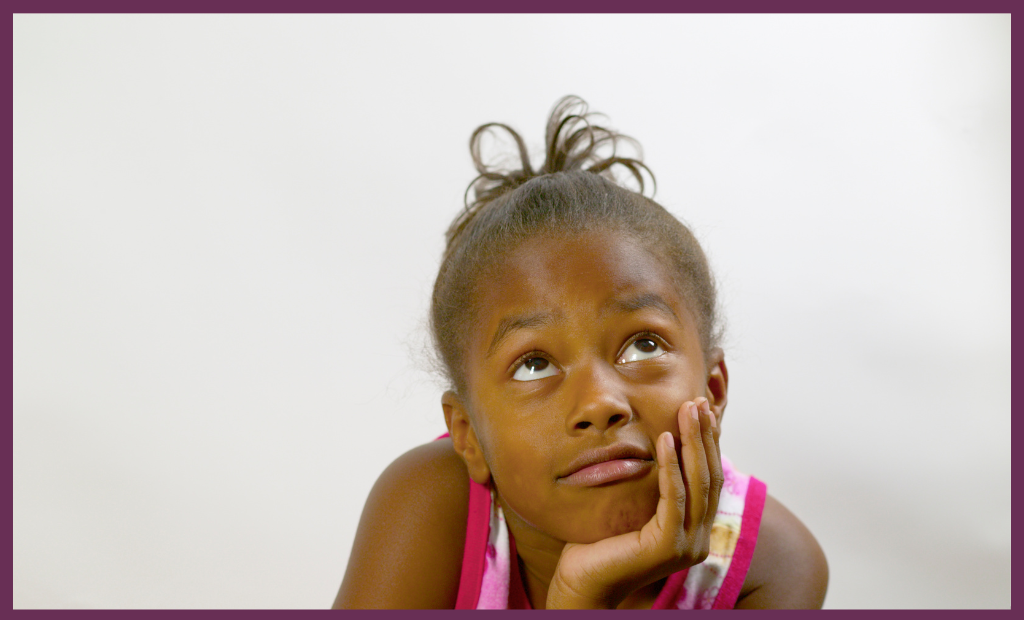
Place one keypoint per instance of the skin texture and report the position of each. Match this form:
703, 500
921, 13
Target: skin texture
616, 361
408, 548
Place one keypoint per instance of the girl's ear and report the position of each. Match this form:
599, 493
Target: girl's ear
464, 437
718, 383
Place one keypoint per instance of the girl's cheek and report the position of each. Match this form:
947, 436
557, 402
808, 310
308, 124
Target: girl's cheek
666, 402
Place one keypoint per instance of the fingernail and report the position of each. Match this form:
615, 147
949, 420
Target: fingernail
693, 411
711, 416
668, 441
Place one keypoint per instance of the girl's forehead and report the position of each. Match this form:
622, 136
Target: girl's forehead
605, 257
581, 272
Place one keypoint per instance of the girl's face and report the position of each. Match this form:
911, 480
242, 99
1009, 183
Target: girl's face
583, 353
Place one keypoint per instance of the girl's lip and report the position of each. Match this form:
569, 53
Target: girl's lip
607, 464
608, 471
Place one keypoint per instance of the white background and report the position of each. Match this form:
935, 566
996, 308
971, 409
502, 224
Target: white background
226, 229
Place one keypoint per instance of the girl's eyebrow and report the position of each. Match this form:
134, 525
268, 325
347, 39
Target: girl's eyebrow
625, 305
510, 324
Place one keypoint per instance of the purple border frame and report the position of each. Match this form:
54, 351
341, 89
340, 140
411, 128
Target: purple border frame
521, 6
444, 6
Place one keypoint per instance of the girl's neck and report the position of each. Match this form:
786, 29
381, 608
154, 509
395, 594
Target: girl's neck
537, 558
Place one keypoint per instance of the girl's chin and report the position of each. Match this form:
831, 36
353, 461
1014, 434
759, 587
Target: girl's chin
606, 526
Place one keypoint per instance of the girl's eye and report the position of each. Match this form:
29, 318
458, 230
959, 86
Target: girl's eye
533, 369
641, 349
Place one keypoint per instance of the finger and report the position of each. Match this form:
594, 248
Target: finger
696, 479
710, 435
672, 491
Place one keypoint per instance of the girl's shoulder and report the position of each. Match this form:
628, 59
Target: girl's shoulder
408, 548
788, 569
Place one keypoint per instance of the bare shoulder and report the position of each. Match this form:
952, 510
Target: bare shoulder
788, 570
408, 549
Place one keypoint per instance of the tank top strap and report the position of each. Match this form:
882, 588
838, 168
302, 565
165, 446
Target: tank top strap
716, 582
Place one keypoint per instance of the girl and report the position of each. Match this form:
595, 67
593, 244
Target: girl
575, 320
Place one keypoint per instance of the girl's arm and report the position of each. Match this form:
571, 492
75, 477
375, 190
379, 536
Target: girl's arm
788, 570
408, 549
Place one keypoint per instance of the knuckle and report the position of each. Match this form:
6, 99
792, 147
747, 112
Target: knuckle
692, 551
692, 557
679, 495
705, 485
703, 548
717, 479
681, 550
702, 554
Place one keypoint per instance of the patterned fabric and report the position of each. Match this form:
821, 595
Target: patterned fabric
490, 574
497, 564
705, 581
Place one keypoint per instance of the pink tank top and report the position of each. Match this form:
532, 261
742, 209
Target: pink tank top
490, 568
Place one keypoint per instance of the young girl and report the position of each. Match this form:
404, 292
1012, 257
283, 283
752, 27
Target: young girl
575, 319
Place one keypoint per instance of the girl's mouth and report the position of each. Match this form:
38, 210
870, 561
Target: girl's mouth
608, 471
608, 464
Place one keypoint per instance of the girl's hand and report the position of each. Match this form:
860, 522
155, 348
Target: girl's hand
601, 575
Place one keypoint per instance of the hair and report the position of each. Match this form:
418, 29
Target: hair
574, 192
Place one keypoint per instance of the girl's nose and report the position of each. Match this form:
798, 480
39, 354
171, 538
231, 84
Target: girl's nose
599, 400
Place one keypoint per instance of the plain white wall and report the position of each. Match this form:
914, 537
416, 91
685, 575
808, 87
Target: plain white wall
226, 229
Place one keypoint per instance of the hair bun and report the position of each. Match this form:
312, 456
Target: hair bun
572, 142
